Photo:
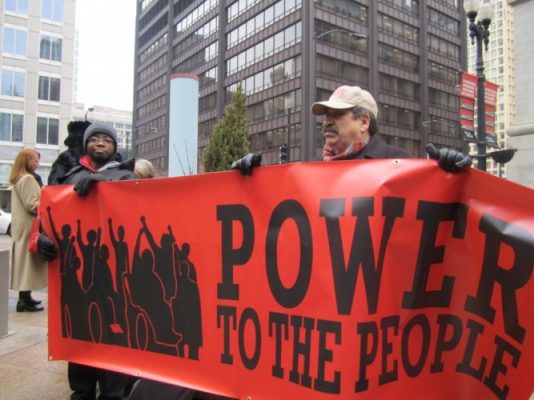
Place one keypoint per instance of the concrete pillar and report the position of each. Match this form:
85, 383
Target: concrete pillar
519, 169
4, 290
521, 134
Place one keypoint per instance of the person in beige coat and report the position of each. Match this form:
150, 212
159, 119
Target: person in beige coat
29, 271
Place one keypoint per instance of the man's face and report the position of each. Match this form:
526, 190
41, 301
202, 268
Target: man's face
340, 130
100, 148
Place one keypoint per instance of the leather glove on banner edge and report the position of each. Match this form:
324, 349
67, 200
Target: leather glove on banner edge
46, 248
449, 160
247, 163
84, 185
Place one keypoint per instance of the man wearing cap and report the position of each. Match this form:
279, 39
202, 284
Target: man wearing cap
100, 146
98, 164
350, 130
350, 127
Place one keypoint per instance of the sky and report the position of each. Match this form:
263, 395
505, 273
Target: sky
106, 31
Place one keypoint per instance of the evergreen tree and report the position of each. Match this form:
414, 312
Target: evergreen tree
229, 141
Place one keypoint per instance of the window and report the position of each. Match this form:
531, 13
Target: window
47, 131
444, 22
13, 83
261, 21
348, 8
442, 99
339, 39
11, 126
49, 88
145, 4
15, 41
444, 47
409, 6
18, 6
52, 10
441, 72
50, 48
207, 102
395, 86
402, 59
398, 28
275, 43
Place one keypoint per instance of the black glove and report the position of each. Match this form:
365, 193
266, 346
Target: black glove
46, 248
449, 160
85, 184
247, 163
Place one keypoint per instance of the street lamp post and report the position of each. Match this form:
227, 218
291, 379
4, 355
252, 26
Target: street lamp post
90, 109
479, 33
309, 151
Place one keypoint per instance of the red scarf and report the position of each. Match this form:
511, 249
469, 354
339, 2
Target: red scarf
87, 163
350, 153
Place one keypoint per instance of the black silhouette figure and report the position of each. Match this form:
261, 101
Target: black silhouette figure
114, 302
186, 305
152, 325
163, 259
65, 243
74, 304
89, 253
104, 327
122, 266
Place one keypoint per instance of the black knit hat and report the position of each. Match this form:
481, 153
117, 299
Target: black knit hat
98, 127
76, 130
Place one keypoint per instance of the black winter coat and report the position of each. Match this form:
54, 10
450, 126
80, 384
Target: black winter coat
376, 148
112, 171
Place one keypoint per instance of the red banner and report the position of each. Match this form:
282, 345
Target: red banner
490, 99
468, 91
356, 279
468, 94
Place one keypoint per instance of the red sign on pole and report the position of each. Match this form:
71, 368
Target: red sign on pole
491, 102
468, 90
468, 93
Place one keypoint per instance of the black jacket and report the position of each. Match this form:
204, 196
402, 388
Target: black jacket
376, 148
112, 171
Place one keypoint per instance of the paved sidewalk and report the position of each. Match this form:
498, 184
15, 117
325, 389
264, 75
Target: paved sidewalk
25, 372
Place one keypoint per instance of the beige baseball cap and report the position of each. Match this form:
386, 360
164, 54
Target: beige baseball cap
345, 97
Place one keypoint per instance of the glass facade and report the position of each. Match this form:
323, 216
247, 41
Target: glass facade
410, 65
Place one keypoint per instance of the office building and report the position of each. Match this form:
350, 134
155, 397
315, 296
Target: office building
288, 54
36, 63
